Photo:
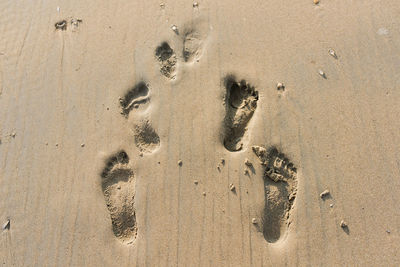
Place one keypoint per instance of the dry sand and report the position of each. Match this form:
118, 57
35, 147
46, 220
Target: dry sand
147, 133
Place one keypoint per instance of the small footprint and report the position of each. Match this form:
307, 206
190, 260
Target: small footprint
194, 38
240, 105
146, 138
118, 185
167, 59
192, 46
135, 97
280, 185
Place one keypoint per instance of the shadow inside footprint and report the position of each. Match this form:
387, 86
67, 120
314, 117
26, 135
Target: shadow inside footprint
280, 185
240, 104
118, 185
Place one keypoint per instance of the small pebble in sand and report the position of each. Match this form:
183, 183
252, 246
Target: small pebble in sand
322, 73
174, 28
6, 225
82, 145
141, 154
136, 106
162, 5
180, 162
246, 172
343, 224
196, 182
195, 4
332, 53
331, 205
56, 144
118, 187
232, 187
316, 2
58, 9
204, 193
254, 221
222, 161
13, 134
280, 87
388, 231
324, 194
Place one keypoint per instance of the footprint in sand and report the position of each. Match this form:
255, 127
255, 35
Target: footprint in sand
193, 43
166, 57
193, 38
280, 185
118, 186
145, 137
240, 104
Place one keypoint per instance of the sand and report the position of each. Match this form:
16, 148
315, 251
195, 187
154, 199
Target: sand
147, 133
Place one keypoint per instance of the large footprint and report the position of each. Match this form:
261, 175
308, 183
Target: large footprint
240, 104
280, 185
118, 185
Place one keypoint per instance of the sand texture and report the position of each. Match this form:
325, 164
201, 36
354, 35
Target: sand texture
210, 133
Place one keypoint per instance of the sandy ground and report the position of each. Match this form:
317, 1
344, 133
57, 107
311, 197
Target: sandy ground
125, 133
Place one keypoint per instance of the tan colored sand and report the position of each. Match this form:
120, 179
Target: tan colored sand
60, 87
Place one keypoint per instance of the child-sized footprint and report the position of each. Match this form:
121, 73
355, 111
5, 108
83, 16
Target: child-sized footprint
280, 185
192, 46
118, 185
167, 60
145, 137
240, 105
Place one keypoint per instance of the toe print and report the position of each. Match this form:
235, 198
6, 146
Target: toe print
240, 105
118, 186
280, 185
